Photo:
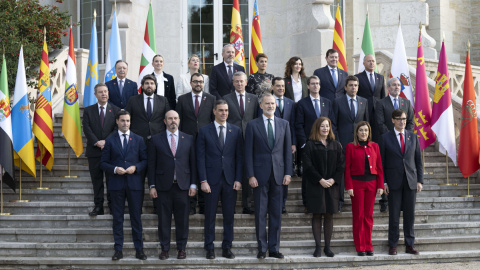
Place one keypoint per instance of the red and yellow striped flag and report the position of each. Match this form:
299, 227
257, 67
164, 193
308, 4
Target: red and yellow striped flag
236, 36
42, 119
339, 41
256, 42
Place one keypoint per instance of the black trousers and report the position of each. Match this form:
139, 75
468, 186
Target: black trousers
402, 199
97, 175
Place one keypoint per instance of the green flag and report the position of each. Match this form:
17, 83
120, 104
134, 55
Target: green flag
367, 46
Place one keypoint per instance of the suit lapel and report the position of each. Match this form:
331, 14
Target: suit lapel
395, 142
361, 107
408, 141
109, 116
141, 106
402, 104
329, 76
214, 136
277, 130
164, 140
235, 102
223, 71
247, 102
203, 107
228, 136
119, 143
262, 130
311, 108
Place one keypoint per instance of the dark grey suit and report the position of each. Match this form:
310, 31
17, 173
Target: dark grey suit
372, 95
383, 114
344, 123
140, 124
189, 123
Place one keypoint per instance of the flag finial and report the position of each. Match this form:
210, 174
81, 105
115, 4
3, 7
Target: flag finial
399, 19
94, 13
44, 32
443, 35
115, 5
367, 9
468, 46
420, 26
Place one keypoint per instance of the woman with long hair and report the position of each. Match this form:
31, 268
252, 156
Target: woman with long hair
295, 79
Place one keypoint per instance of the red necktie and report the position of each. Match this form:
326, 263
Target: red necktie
197, 105
402, 143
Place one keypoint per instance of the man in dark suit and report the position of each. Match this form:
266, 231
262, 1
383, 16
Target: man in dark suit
371, 86
166, 83
331, 77
268, 157
243, 107
222, 74
121, 89
172, 175
402, 166
308, 110
124, 157
98, 123
220, 168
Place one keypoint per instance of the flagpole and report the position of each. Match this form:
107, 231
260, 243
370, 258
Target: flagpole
203, 57
41, 171
1, 193
69, 176
20, 186
423, 161
446, 165
468, 191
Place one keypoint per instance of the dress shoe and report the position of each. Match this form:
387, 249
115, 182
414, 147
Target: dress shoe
277, 255
210, 254
117, 256
361, 253
305, 210
96, 211
328, 252
261, 255
411, 250
383, 208
181, 255
284, 210
369, 253
140, 255
227, 253
247, 211
392, 251
163, 255
317, 252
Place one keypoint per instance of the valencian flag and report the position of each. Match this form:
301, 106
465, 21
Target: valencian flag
400, 67
114, 50
468, 148
149, 49
21, 124
367, 46
339, 41
92, 69
42, 119
256, 42
71, 127
6, 158
442, 110
423, 111
236, 36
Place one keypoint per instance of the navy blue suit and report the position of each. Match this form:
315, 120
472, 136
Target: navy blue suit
220, 85
129, 89
306, 116
344, 122
327, 87
220, 167
127, 186
373, 96
268, 166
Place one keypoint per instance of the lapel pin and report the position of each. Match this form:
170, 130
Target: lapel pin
130, 139
109, 110
361, 103
229, 130
182, 137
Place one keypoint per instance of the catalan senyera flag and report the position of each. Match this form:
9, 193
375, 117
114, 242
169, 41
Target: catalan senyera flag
42, 118
149, 49
442, 110
339, 41
400, 67
468, 148
236, 36
91, 79
367, 46
71, 127
423, 111
256, 42
21, 124
114, 50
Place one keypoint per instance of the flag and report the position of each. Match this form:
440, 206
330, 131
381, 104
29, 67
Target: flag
71, 127
442, 110
423, 111
256, 42
21, 125
114, 50
6, 158
468, 148
42, 118
400, 67
367, 46
339, 41
149, 49
92, 70
236, 36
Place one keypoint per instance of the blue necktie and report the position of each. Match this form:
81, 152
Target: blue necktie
120, 87
125, 143
372, 82
271, 139
395, 104
352, 109
334, 77
317, 108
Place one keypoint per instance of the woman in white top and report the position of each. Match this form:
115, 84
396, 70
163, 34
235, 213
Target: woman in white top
183, 85
295, 79
165, 82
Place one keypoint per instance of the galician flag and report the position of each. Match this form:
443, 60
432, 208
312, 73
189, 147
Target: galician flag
149, 49
339, 41
400, 67
423, 111
236, 36
256, 42
71, 127
21, 124
442, 110
367, 46
92, 69
114, 50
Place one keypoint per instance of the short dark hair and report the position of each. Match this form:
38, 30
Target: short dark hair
122, 112
357, 127
398, 113
260, 55
198, 74
275, 79
220, 102
312, 77
120, 61
149, 77
99, 85
330, 51
350, 78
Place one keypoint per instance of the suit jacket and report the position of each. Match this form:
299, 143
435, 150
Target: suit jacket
306, 116
327, 87
213, 160
114, 156
220, 85
260, 160
139, 122
289, 88
251, 110
396, 165
287, 114
189, 123
345, 124
129, 89
383, 113
169, 90
162, 165
93, 129
365, 89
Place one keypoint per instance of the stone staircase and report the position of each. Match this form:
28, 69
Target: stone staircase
54, 230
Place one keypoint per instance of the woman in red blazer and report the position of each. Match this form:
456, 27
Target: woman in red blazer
363, 179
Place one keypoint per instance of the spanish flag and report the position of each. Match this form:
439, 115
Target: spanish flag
339, 41
236, 36
256, 43
71, 128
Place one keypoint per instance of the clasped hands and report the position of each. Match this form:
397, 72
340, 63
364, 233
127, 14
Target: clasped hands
122, 171
327, 183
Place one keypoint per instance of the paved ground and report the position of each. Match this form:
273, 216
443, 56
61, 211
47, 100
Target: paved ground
426, 266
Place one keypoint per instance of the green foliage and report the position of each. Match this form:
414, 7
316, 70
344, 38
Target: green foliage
23, 23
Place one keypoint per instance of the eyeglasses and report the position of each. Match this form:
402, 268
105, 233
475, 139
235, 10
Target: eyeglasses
401, 119
197, 82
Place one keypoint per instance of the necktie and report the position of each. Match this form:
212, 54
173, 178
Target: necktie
221, 137
125, 143
120, 86
149, 108
280, 104
352, 109
173, 145
230, 73
242, 110
372, 82
334, 77
402, 143
395, 104
197, 105
271, 139
317, 108
102, 115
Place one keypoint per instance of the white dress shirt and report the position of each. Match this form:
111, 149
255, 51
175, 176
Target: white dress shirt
355, 103
160, 84
297, 88
238, 99
217, 128
169, 138
145, 101
121, 141
199, 99
336, 73
313, 102
397, 135
393, 101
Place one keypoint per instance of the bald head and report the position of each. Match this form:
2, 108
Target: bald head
369, 63
172, 120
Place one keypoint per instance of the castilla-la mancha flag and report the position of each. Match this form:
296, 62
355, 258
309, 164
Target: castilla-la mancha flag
468, 148
236, 36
